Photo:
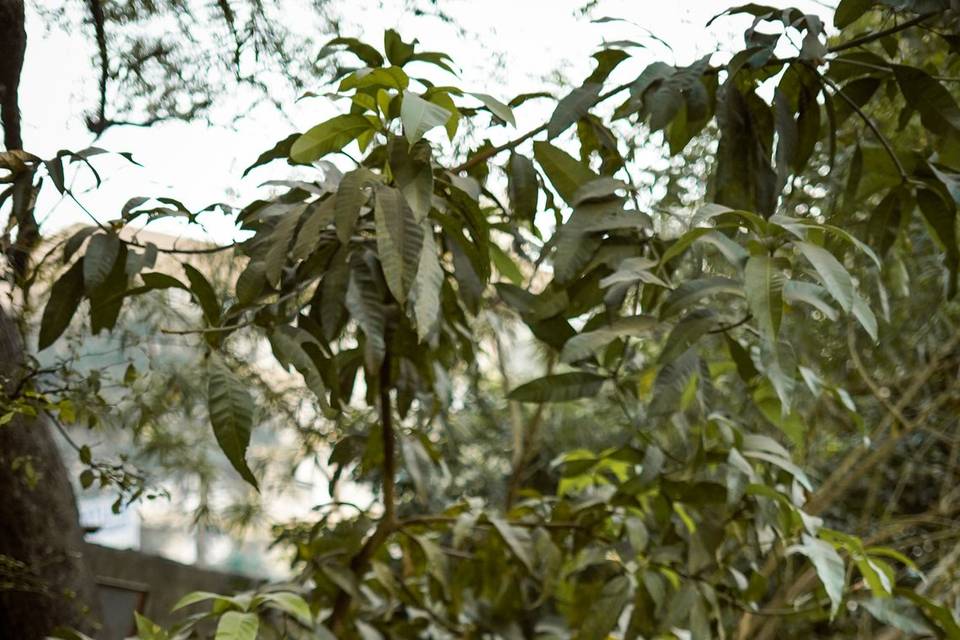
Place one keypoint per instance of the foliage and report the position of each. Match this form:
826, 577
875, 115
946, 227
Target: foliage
700, 326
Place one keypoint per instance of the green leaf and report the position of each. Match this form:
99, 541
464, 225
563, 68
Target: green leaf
834, 276
102, 252
938, 109
398, 52
561, 387
605, 610
399, 240
897, 613
288, 347
517, 540
566, 174
65, 297
419, 116
147, 629
763, 285
586, 344
849, 11
693, 291
194, 597
572, 107
231, 414
234, 625
522, 186
412, 170
328, 137
829, 567
864, 315
317, 217
204, 293
289, 603
279, 241
426, 304
795, 291
279, 150
362, 50
942, 218
366, 307
496, 107
350, 199
107, 299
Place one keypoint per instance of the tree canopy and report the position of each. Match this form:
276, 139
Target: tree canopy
758, 346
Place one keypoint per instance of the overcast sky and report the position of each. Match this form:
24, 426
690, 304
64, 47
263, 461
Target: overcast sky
200, 164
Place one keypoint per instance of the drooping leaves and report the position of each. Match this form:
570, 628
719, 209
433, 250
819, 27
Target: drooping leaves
231, 410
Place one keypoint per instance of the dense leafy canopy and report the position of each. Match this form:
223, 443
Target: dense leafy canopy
701, 322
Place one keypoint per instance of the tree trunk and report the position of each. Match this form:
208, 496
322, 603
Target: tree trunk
13, 44
44, 581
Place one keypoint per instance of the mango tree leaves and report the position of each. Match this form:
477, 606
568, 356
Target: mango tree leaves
496, 107
763, 285
572, 107
522, 186
938, 109
429, 280
833, 275
204, 293
102, 252
560, 387
328, 137
829, 566
399, 239
65, 297
365, 305
235, 625
290, 346
566, 174
231, 410
586, 344
419, 116
350, 199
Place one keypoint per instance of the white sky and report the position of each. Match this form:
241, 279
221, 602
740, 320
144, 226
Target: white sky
200, 164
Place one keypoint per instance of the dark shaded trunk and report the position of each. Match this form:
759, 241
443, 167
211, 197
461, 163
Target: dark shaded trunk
44, 581
13, 44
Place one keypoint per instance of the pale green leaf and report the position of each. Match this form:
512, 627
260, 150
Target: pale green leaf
419, 116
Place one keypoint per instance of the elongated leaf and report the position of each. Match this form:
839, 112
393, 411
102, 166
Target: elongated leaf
280, 240
763, 285
522, 186
234, 625
938, 109
834, 276
496, 107
231, 414
279, 150
288, 347
366, 307
412, 169
328, 137
566, 174
289, 603
849, 11
572, 107
517, 540
864, 315
795, 291
419, 116
204, 293
65, 297
426, 305
399, 240
317, 217
942, 218
586, 344
350, 199
560, 387
693, 291
102, 252
829, 566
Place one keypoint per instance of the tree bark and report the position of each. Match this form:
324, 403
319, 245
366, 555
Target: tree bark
13, 44
44, 581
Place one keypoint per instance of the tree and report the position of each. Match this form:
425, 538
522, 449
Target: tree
694, 324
